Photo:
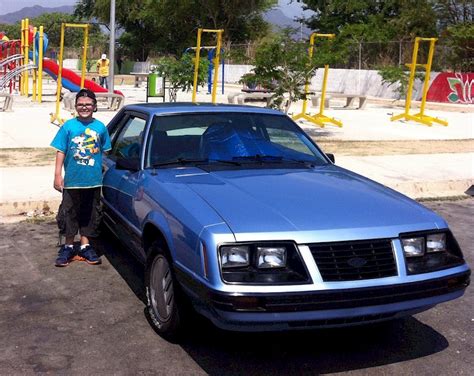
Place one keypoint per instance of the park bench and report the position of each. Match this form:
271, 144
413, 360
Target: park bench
7, 103
251, 95
350, 99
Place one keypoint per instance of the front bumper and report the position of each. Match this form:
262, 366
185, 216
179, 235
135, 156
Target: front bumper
328, 308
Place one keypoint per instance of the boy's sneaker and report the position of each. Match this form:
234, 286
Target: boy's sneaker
65, 256
89, 255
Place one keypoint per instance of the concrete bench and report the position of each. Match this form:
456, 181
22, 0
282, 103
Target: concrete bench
248, 97
114, 101
105, 101
350, 99
7, 103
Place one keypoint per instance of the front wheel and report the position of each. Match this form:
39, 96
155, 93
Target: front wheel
162, 299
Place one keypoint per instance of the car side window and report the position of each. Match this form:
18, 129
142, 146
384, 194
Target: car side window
129, 142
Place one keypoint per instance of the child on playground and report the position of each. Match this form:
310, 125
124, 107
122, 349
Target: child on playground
80, 143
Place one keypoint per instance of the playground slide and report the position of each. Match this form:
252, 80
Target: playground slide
71, 80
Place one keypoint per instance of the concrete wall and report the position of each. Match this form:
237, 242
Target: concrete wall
366, 82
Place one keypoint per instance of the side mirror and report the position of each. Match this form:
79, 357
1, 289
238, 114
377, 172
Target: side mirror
129, 164
331, 157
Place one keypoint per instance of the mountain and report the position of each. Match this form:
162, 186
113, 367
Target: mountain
279, 21
32, 12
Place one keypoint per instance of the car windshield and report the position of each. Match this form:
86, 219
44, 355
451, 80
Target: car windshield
248, 140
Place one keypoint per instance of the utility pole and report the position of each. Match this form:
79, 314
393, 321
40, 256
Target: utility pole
112, 47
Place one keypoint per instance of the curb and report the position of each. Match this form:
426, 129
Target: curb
13, 208
414, 190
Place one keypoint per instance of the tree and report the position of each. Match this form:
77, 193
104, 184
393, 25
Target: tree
180, 72
459, 40
169, 26
11, 31
371, 21
283, 65
454, 12
73, 37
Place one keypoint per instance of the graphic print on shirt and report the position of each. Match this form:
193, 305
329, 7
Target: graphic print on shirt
85, 146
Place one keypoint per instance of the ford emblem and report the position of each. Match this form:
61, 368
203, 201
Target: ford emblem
357, 262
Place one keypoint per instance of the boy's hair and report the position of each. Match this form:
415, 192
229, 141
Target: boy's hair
86, 93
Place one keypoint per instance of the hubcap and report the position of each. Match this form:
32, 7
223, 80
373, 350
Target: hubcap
161, 289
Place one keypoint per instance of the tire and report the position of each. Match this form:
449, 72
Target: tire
162, 293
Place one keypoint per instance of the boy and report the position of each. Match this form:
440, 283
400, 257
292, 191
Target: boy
80, 143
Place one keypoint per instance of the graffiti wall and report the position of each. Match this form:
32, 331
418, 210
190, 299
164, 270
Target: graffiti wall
452, 88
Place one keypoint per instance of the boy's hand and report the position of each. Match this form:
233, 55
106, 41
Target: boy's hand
58, 183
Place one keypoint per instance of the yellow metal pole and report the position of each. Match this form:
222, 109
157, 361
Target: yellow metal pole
318, 119
323, 89
420, 117
58, 81
427, 76
35, 87
196, 64
22, 60
412, 75
27, 59
40, 64
306, 85
84, 56
216, 65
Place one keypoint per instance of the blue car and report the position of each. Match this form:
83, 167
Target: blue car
239, 216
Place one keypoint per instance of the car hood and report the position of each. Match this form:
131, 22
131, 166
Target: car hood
325, 200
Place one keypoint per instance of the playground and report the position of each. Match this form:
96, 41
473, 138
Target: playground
419, 147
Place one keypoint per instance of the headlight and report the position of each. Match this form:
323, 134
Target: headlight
234, 256
436, 243
271, 257
414, 247
430, 251
262, 263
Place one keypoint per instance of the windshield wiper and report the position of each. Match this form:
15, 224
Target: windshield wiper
186, 161
233, 163
181, 161
259, 158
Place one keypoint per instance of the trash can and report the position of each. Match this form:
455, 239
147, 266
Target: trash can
152, 81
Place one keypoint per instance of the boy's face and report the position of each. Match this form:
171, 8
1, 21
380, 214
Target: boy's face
85, 108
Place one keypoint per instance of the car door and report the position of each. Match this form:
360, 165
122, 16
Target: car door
120, 185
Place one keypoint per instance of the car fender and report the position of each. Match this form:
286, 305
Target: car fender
158, 221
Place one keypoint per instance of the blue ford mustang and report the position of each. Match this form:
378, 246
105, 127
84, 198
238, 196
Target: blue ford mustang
238, 214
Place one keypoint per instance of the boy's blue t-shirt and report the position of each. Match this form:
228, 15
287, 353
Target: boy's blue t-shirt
83, 144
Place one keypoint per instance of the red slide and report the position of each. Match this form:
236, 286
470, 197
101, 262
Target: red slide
71, 80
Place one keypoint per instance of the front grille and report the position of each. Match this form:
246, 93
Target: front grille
354, 260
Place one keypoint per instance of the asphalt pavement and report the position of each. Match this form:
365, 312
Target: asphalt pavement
90, 320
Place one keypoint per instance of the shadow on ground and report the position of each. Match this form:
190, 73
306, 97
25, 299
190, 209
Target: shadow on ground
219, 352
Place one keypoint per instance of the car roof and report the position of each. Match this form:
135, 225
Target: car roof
187, 107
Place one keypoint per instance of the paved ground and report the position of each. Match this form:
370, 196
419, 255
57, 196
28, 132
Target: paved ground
89, 320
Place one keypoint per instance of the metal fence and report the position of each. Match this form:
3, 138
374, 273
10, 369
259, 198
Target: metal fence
356, 55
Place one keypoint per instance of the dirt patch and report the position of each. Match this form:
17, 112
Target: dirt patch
23, 157
400, 147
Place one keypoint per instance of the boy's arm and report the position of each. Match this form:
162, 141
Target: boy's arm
58, 171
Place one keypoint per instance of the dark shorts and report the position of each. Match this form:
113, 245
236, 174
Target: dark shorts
80, 210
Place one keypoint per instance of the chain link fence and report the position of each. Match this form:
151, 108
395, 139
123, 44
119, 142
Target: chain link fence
356, 55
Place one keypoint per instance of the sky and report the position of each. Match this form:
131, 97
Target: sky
8, 6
